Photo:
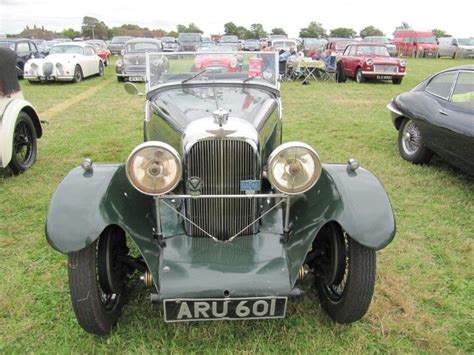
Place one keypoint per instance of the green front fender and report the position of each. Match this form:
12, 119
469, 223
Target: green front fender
356, 200
85, 203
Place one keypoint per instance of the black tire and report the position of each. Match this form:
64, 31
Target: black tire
397, 81
78, 75
24, 144
120, 79
454, 55
101, 69
344, 274
359, 76
97, 282
410, 143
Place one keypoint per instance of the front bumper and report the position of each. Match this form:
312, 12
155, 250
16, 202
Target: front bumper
372, 74
48, 78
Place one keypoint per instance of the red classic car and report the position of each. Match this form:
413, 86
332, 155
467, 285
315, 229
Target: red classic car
218, 59
369, 60
102, 50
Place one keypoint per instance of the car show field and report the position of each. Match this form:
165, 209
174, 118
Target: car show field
425, 279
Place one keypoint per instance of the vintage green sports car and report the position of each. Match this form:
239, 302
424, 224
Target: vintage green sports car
226, 219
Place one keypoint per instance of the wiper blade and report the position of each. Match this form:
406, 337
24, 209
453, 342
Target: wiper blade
193, 76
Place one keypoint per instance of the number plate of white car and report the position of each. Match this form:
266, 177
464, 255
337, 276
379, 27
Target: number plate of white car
188, 310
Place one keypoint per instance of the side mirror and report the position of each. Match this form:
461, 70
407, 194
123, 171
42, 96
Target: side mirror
132, 89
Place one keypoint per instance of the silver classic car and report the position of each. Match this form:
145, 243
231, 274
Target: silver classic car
227, 219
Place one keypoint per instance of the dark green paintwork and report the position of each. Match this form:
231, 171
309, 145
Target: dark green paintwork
85, 204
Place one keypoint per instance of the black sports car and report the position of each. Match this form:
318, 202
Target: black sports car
437, 116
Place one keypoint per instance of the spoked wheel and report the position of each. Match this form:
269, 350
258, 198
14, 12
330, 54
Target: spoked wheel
344, 274
410, 143
97, 281
24, 144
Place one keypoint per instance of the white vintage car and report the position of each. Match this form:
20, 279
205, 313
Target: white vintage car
70, 61
20, 126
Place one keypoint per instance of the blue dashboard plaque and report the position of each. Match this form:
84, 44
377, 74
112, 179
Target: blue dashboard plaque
250, 185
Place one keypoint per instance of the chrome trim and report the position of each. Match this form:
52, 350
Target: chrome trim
382, 73
246, 196
392, 108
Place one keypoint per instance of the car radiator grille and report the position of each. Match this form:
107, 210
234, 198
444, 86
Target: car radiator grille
47, 69
221, 165
389, 69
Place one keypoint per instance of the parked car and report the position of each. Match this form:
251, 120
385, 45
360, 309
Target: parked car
69, 61
217, 59
20, 126
284, 44
189, 42
437, 117
131, 67
313, 43
271, 38
101, 48
230, 41
363, 61
251, 45
456, 47
226, 218
42, 46
24, 48
117, 43
387, 42
416, 43
170, 44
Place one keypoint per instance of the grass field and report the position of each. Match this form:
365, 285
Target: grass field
424, 296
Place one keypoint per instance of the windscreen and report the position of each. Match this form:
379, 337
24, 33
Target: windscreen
189, 37
466, 41
119, 40
372, 50
141, 47
426, 39
212, 66
69, 49
8, 44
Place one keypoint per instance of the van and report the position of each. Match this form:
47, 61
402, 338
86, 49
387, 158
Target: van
456, 47
416, 43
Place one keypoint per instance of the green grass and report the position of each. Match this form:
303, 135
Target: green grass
424, 292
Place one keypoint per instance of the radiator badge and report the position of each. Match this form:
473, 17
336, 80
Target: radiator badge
194, 186
249, 186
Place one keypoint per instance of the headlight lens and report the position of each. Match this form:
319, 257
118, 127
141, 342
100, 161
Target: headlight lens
369, 61
293, 168
403, 62
119, 63
154, 168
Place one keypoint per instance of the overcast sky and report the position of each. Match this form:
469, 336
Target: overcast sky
454, 16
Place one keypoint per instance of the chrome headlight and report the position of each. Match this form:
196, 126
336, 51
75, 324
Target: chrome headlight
119, 63
403, 62
293, 168
369, 62
154, 168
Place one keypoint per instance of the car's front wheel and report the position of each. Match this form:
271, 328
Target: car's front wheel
97, 281
78, 76
344, 274
24, 144
410, 143
101, 68
359, 76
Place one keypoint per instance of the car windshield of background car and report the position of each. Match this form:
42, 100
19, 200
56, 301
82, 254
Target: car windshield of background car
372, 50
466, 41
229, 39
142, 47
441, 84
188, 37
60, 49
426, 39
463, 94
119, 40
8, 44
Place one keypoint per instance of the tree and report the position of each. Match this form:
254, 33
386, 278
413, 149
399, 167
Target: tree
93, 28
191, 28
278, 31
403, 26
342, 32
440, 33
370, 31
230, 28
314, 30
257, 31
172, 34
70, 33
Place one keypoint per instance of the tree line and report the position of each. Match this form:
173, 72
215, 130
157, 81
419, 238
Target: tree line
94, 28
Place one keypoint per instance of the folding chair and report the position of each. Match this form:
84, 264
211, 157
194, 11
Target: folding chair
330, 72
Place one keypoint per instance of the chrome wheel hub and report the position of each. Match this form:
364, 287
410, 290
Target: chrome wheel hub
411, 138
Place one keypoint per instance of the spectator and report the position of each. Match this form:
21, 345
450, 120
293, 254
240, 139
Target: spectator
317, 55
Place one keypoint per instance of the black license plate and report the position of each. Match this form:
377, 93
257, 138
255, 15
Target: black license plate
186, 310
384, 77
